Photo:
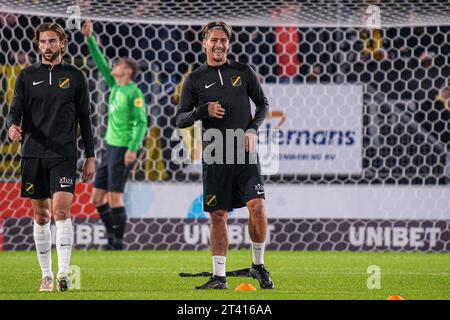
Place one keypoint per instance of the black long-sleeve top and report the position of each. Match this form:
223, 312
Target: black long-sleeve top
50, 101
232, 84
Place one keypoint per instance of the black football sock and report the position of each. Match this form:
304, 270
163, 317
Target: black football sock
221, 279
105, 214
119, 217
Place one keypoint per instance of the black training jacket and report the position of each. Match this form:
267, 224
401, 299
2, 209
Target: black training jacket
232, 85
49, 101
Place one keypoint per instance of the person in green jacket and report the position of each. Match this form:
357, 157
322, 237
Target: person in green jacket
127, 124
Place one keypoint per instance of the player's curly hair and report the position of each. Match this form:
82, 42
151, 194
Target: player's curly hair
51, 26
216, 25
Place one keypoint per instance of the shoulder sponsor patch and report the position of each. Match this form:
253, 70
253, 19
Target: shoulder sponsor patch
138, 102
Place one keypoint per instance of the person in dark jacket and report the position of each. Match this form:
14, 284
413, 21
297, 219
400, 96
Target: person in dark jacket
218, 93
51, 98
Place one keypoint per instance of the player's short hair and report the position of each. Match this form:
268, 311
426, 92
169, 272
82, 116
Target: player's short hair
51, 26
132, 65
216, 25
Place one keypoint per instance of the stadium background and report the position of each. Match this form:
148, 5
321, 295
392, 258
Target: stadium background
387, 189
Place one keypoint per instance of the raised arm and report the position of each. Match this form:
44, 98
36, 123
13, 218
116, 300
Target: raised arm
97, 54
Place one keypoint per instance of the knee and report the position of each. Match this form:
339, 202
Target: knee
219, 217
98, 199
42, 216
115, 199
256, 208
61, 214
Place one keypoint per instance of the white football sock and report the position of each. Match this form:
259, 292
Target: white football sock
64, 242
43, 241
219, 265
258, 252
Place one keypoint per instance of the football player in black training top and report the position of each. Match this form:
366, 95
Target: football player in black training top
50, 99
218, 93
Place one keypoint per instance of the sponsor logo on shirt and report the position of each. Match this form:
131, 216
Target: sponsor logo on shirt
35, 83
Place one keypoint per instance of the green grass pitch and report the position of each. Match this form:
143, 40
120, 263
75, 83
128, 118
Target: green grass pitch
297, 275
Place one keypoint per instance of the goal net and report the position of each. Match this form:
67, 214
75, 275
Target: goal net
359, 96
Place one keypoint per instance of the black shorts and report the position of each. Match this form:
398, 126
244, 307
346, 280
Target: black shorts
229, 186
112, 173
41, 178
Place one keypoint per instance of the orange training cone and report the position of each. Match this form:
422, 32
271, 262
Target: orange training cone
395, 298
245, 287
